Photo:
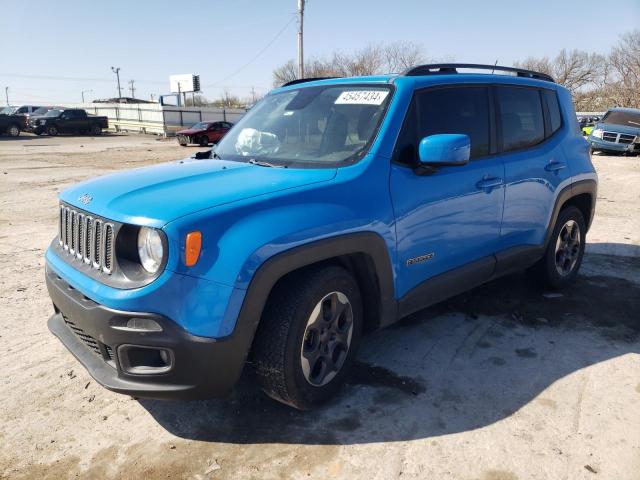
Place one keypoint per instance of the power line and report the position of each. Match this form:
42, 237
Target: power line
107, 80
271, 42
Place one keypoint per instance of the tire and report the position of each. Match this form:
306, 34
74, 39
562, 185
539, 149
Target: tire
13, 130
203, 141
96, 130
312, 319
52, 130
560, 264
183, 144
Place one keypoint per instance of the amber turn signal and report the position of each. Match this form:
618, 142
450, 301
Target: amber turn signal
192, 248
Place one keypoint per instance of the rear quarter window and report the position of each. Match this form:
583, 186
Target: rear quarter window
555, 118
520, 117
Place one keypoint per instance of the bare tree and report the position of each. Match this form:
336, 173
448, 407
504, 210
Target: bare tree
227, 100
400, 56
573, 69
197, 101
370, 60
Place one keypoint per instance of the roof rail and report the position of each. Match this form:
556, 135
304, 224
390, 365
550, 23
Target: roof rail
436, 68
303, 80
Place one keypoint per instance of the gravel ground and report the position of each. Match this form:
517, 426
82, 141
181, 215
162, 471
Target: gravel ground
504, 382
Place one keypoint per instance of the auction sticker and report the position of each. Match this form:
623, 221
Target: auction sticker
362, 97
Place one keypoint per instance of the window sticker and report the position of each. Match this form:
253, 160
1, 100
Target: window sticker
362, 97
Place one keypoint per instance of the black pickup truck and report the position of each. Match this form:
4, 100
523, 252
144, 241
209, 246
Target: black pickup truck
12, 124
69, 120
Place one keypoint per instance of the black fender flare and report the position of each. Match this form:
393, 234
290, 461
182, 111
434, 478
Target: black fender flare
589, 186
276, 267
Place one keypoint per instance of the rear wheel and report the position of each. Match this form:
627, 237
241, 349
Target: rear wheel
308, 336
13, 130
563, 256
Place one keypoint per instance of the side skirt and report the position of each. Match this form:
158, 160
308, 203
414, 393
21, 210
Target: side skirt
459, 280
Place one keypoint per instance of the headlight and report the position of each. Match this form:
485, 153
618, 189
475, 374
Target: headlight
597, 132
42, 122
150, 249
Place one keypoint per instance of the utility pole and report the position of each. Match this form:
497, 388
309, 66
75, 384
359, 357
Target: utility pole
83, 92
300, 40
132, 88
6, 94
253, 95
117, 72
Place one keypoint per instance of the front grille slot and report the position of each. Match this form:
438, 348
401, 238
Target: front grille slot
88, 340
87, 239
100, 349
627, 139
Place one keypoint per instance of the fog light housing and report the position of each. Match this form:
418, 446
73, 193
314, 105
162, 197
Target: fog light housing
143, 360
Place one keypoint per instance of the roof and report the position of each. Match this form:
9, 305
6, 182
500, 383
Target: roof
624, 109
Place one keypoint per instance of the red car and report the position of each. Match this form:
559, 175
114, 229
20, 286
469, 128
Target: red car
203, 133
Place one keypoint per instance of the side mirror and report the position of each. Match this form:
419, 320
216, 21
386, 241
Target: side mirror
447, 149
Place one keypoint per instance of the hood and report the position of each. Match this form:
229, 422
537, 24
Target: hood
158, 194
191, 131
612, 127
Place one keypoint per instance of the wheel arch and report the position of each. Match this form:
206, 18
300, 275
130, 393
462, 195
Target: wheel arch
364, 255
581, 194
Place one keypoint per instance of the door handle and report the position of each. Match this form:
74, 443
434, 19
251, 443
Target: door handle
488, 183
554, 166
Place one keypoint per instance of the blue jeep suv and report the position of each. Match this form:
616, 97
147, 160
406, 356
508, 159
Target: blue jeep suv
333, 208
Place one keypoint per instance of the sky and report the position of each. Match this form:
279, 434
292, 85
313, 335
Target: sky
52, 51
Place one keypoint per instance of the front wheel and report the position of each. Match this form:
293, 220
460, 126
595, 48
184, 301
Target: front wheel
563, 257
204, 141
52, 130
13, 130
96, 130
308, 336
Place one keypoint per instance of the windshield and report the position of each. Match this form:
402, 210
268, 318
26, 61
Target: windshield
314, 126
628, 119
200, 126
41, 110
7, 110
53, 113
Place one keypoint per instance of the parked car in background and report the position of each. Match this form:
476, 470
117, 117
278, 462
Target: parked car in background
332, 208
204, 133
39, 112
26, 109
586, 124
618, 131
12, 124
69, 120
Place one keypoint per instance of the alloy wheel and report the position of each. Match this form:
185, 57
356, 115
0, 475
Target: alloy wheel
327, 338
567, 248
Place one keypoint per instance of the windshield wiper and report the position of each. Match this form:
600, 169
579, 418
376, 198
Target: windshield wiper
262, 163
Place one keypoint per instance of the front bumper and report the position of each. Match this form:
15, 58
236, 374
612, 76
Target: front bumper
184, 139
198, 367
613, 146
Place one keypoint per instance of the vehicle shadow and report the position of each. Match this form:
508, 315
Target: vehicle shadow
460, 365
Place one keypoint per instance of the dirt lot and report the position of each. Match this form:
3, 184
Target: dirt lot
505, 382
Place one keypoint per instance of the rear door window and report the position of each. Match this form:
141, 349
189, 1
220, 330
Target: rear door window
520, 117
456, 110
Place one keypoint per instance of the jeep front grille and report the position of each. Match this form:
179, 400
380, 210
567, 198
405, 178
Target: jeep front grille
87, 239
618, 137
